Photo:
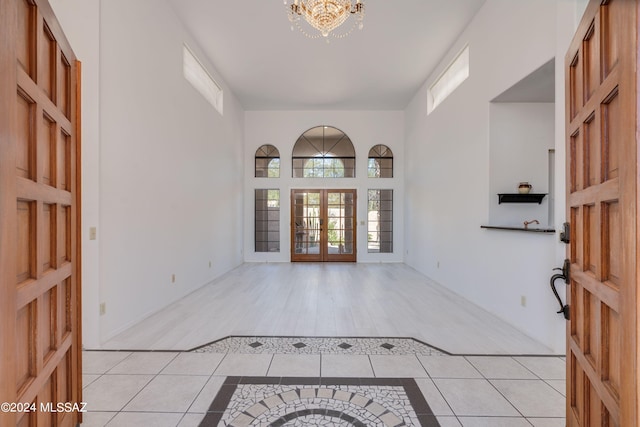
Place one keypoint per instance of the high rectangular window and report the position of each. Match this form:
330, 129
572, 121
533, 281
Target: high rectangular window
380, 221
456, 73
199, 77
267, 217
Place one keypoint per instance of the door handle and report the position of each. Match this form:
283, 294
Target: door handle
566, 270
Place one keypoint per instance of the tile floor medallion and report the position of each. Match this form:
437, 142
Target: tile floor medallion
264, 401
358, 402
314, 345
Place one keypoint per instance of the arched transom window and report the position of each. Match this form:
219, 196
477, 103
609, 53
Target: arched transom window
380, 162
267, 162
324, 152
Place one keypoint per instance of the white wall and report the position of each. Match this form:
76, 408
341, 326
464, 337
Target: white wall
366, 129
520, 137
163, 170
80, 20
448, 171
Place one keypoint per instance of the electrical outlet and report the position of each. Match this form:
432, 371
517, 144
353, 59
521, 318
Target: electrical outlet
173, 278
437, 264
523, 301
209, 264
103, 308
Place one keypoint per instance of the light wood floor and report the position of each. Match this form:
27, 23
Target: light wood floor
308, 299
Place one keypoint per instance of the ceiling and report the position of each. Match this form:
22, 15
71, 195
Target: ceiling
269, 67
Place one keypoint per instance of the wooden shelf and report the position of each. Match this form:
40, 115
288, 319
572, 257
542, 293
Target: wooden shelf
511, 228
521, 198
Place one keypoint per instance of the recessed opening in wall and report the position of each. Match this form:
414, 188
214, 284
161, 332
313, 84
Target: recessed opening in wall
196, 74
522, 140
452, 77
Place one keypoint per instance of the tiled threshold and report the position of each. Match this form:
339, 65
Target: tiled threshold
320, 345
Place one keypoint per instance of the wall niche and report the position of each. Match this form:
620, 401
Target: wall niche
521, 148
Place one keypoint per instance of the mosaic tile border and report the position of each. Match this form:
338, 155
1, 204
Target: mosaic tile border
288, 401
320, 345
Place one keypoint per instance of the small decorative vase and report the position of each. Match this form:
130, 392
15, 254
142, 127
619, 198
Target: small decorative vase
524, 188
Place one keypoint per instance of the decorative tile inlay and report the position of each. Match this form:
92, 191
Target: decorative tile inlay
313, 345
275, 401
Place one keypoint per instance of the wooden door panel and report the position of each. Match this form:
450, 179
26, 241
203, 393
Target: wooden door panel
64, 85
611, 138
602, 207
63, 157
48, 237
591, 154
64, 234
39, 214
46, 150
611, 19
591, 59
25, 346
46, 64
25, 247
25, 35
575, 173
24, 108
612, 245
575, 99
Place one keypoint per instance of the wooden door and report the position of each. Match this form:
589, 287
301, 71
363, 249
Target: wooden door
323, 225
39, 218
602, 185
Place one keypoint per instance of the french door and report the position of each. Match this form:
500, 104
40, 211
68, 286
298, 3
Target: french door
602, 207
323, 225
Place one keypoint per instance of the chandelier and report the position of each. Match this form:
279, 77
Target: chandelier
325, 15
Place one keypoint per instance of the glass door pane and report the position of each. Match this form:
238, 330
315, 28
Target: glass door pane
306, 224
340, 243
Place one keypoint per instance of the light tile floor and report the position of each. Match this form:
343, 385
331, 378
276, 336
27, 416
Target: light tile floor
176, 388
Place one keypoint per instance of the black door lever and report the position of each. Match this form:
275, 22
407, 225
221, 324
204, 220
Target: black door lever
566, 270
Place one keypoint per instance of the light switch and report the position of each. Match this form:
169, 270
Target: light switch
92, 233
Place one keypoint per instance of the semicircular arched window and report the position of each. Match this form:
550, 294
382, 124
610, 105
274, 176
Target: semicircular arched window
380, 162
267, 162
324, 152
